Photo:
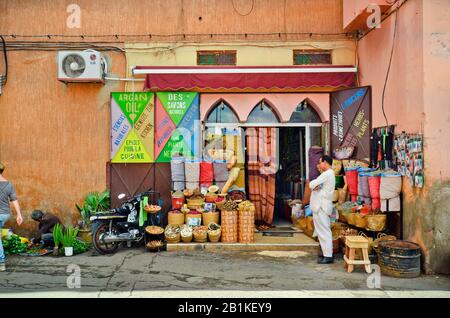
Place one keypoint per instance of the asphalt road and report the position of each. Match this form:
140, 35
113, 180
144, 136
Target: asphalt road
135, 272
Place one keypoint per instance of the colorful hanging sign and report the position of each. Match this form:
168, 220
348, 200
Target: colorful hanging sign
351, 120
132, 127
175, 117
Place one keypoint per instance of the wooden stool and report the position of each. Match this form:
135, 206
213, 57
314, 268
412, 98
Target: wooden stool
351, 244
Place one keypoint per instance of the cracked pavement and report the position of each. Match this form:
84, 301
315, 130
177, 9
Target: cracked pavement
135, 272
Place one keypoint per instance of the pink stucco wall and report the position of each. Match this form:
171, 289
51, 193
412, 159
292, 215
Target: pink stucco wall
404, 91
284, 104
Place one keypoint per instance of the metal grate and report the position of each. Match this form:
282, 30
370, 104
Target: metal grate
216, 57
312, 57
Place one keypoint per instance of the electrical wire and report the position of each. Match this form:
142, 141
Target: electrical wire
243, 15
4, 78
389, 68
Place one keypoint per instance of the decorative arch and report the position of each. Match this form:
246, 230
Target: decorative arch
264, 112
221, 112
306, 112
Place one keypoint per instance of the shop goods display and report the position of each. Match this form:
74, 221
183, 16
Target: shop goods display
188, 192
360, 220
155, 245
210, 217
175, 217
186, 233
349, 164
200, 233
341, 153
351, 175
376, 222
177, 171
152, 208
229, 205
246, 224
214, 232
390, 189
210, 197
172, 233
213, 189
399, 258
193, 218
177, 199
363, 185
236, 195
408, 157
229, 219
192, 173
246, 206
154, 230
220, 200
206, 173
221, 172
374, 189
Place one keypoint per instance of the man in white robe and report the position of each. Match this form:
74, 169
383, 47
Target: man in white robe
321, 204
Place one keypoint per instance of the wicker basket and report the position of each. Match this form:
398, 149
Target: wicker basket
380, 238
211, 197
376, 222
201, 237
214, 236
195, 203
175, 218
246, 226
309, 223
186, 239
229, 226
210, 217
172, 239
360, 221
369, 250
351, 218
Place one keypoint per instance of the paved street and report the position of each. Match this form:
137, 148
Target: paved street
136, 273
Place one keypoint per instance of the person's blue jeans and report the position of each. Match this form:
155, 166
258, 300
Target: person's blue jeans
3, 219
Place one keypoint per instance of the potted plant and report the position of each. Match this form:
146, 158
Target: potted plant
93, 202
57, 235
68, 238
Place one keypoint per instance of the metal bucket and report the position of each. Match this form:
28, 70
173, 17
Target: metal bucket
399, 258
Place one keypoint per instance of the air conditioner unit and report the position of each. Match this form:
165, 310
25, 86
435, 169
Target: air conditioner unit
81, 66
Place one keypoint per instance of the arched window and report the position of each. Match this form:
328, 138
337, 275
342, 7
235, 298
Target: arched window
262, 113
305, 113
221, 114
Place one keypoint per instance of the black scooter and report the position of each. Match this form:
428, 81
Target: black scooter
112, 228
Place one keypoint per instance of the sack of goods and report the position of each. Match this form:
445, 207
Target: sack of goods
390, 189
186, 233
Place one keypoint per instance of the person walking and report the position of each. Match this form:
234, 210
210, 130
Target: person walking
321, 204
7, 196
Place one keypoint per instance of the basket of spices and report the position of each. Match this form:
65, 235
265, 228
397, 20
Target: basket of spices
210, 217
211, 197
177, 200
196, 200
193, 218
229, 217
155, 232
175, 217
220, 200
214, 232
200, 234
186, 233
155, 246
172, 233
246, 222
151, 208
376, 222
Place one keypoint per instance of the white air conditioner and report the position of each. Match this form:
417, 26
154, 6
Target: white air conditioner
81, 66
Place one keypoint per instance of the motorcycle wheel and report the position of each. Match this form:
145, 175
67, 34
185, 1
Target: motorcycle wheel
102, 247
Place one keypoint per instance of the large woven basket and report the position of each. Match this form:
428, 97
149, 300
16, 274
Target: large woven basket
175, 239
210, 217
360, 221
193, 216
201, 237
229, 226
195, 203
187, 239
214, 236
175, 218
351, 218
376, 222
246, 226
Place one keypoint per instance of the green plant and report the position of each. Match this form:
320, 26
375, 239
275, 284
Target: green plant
69, 235
57, 234
13, 245
94, 202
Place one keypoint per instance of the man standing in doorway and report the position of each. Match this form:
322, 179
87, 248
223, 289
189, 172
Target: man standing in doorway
321, 204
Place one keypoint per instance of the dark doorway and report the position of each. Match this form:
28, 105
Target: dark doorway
291, 174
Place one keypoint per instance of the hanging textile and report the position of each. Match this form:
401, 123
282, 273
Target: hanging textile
351, 175
374, 188
262, 166
192, 172
177, 171
220, 173
206, 173
390, 189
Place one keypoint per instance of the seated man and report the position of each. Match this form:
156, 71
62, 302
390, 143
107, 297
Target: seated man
45, 229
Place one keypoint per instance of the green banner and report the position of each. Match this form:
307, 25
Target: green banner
133, 104
176, 103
